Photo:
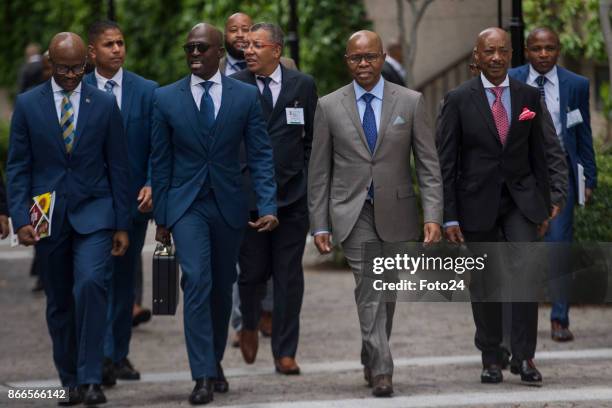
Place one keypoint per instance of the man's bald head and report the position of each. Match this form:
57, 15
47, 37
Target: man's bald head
495, 32
66, 43
238, 17
204, 49
363, 37
365, 58
68, 55
214, 35
492, 54
540, 32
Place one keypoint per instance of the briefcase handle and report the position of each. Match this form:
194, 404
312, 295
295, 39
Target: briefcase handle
164, 250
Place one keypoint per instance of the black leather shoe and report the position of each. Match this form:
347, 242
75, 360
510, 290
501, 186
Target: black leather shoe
382, 386
202, 392
491, 374
75, 397
559, 333
528, 371
220, 383
93, 395
124, 370
109, 378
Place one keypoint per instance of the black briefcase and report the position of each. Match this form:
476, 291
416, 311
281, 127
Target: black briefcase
165, 280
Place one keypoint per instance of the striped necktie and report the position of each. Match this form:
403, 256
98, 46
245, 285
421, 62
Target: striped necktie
67, 121
109, 85
541, 80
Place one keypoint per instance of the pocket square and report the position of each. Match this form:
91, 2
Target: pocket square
526, 114
399, 121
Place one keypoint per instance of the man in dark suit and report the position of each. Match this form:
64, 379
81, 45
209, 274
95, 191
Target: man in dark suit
289, 100
392, 70
199, 123
134, 96
31, 72
4, 225
567, 97
496, 183
67, 137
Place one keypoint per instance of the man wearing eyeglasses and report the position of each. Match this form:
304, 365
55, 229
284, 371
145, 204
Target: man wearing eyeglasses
199, 123
236, 31
360, 188
134, 96
288, 99
67, 137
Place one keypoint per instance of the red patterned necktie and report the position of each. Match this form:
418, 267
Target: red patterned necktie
500, 115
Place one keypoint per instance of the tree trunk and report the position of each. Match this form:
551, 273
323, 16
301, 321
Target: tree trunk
606, 28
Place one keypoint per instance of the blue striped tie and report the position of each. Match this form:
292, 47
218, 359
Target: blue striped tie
541, 80
109, 85
67, 121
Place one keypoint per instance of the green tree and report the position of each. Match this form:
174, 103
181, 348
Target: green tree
156, 29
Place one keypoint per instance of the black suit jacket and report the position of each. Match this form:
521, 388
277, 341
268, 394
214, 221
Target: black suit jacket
475, 165
3, 205
291, 143
391, 75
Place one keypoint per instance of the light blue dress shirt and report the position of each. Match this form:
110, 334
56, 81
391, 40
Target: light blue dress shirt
376, 103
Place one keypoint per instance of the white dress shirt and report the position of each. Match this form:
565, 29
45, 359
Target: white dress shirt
551, 92
275, 84
230, 65
215, 90
376, 103
75, 99
118, 78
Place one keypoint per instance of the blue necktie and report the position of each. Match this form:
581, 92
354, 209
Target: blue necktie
541, 80
369, 122
266, 94
207, 107
240, 65
67, 121
109, 85
369, 128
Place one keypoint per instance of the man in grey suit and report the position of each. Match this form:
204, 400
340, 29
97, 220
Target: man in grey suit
359, 184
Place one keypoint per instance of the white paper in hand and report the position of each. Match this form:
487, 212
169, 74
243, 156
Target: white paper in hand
581, 186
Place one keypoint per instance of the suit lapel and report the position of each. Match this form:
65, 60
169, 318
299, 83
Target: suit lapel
85, 103
482, 103
227, 99
190, 110
284, 97
515, 103
350, 104
388, 106
127, 95
49, 111
563, 98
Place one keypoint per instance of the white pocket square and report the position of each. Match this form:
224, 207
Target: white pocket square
399, 121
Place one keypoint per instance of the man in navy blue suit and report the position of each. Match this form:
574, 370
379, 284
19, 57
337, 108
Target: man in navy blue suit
67, 137
567, 98
199, 123
134, 96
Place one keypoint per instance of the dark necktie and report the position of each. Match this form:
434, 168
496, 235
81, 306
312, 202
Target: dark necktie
241, 65
369, 122
267, 93
207, 107
369, 128
541, 80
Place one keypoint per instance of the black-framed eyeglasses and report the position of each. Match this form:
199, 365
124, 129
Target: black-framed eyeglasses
64, 69
357, 58
200, 46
